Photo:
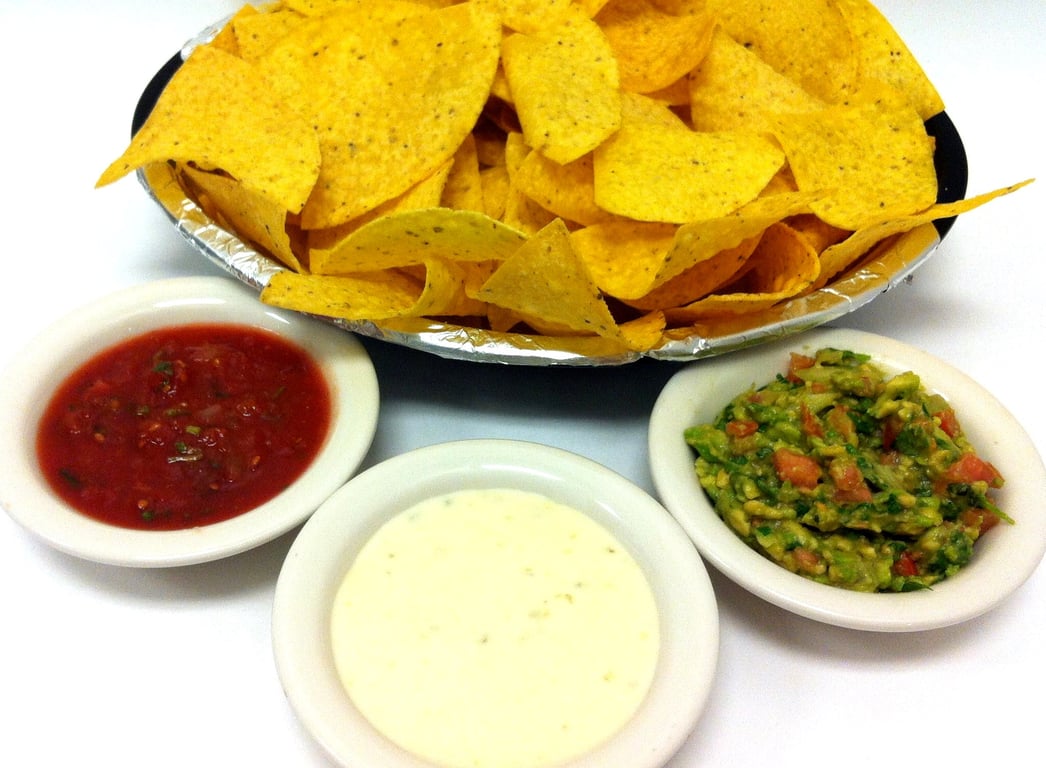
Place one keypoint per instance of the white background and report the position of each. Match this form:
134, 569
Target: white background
102, 665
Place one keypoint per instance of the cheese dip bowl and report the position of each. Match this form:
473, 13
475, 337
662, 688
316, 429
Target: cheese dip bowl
182, 386
479, 528
1002, 559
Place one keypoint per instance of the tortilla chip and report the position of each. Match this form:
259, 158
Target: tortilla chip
464, 188
564, 83
411, 237
366, 296
882, 56
651, 174
700, 280
653, 49
546, 278
256, 33
225, 39
781, 266
839, 256
807, 41
870, 159
732, 88
218, 114
385, 120
566, 190
256, 219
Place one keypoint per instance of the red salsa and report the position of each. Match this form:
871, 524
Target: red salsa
184, 426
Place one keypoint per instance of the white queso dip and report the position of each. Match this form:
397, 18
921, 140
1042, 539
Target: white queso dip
495, 629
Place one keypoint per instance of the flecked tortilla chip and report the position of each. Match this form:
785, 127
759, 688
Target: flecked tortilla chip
565, 86
374, 296
530, 16
257, 219
521, 211
256, 33
324, 7
496, 187
701, 240
410, 237
871, 159
808, 41
464, 188
426, 194
781, 266
386, 119
629, 260
567, 190
650, 174
624, 256
819, 234
700, 280
653, 48
637, 109
839, 256
225, 39
217, 113
438, 288
547, 279
883, 56
732, 88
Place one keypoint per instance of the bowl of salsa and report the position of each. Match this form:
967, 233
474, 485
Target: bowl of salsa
179, 421
851, 479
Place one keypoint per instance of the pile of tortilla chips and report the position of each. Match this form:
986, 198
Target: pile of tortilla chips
627, 169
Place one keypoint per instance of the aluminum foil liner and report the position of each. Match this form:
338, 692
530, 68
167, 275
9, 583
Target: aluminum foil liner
883, 268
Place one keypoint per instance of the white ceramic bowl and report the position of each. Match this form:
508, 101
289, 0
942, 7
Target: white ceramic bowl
1003, 559
329, 542
28, 383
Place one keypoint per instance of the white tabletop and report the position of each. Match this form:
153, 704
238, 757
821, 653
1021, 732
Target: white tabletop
121, 667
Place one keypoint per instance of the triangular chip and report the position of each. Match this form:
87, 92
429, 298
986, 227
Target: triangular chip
732, 88
366, 296
464, 188
871, 159
547, 279
567, 190
217, 113
782, 266
411, 237
386, 121
437, 288
256, 219
648, 173
839, 256
702, 279
565, 86
629, 260
883, 56
808, 41
654, 49
256, 33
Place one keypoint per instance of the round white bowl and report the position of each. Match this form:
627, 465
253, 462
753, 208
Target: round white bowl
328, 544
1003, 559
29, 381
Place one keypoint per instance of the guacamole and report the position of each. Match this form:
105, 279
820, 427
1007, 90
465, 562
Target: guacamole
848, 476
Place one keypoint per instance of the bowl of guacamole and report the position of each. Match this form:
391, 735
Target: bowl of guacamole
851, 479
